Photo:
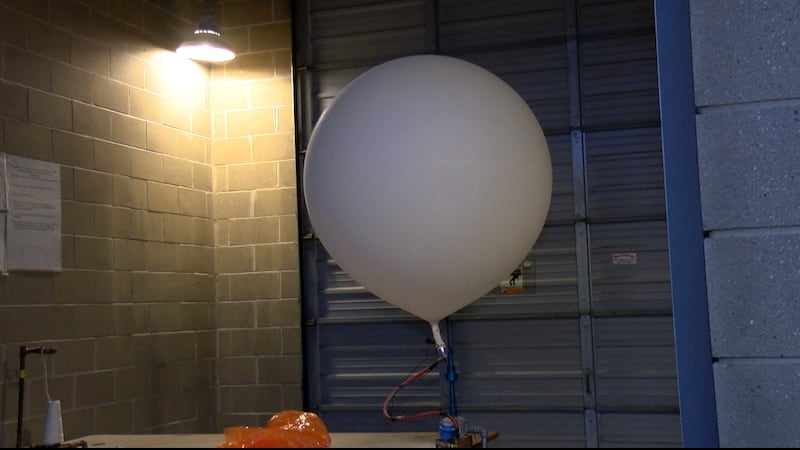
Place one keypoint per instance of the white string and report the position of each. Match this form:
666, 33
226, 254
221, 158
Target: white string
46, 387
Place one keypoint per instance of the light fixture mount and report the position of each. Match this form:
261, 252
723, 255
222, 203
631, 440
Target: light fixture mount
206, 44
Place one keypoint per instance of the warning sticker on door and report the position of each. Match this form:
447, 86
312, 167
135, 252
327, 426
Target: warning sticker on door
514, 284
623, 258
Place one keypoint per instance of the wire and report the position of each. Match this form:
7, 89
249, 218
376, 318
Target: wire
420, 415
46, 387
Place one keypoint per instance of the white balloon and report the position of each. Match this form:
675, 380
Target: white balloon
428, 180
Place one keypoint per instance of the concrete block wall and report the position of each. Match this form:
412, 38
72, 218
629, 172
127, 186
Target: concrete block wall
142, 319
746, 57
255, 217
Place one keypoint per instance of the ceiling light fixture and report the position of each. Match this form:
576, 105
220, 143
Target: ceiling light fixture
206, 45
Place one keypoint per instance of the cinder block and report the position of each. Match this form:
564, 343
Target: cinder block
127, 69
231, 204
231, 150
201, 177
241, 342
292, 341
67, 252
94, 388
115, 418
94, 253
252, 286
290, 284
50, 110
192, 147
27, 69
261, 62
752, 287
744, 54
91, 120
128, 130
233, 259
93, 320
111, 221
72, 82
272, 92
198, 315
238, 39
278, 313
131, 382
230, 96
237, 371
92, 186
747, 173
111, 94
155, 79
146, 225
203, 285
178, 171
129, 254
90, 56
249, 122
276, 257
288, 229
239, 314
273, 147
67, 180
285, 119
206, 344
195, 259
201, 122
261, 175
147, 165
165, 317
162, 197
13, 101
271, 36
194, 202
28, 140
756, 403
30, 288
244, 14
257, 230
287, 174
13, 24
73, 150
283, 63
280, 369
161, 257
219, 127
161, 139
70, 15
202, 231
246, 399
276, 202
145, 105
178, 228
127, 12
112, 158
129, 192
177, 114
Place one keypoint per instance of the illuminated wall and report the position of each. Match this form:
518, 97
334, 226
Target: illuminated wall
178, 278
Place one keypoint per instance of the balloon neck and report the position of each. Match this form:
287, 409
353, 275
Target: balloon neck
441, 347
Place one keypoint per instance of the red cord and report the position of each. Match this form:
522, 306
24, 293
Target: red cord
421, 415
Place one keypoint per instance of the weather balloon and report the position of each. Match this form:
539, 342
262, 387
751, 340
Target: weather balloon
428, 180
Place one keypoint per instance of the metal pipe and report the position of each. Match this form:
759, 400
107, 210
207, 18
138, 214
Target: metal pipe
23, 352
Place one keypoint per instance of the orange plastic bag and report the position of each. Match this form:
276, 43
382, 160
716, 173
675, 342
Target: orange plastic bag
287, 429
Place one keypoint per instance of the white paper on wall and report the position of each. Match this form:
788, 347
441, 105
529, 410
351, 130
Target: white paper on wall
34, 214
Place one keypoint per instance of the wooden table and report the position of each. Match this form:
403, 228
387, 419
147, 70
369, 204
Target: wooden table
338, 440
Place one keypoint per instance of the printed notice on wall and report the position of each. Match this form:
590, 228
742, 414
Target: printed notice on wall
33, 227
